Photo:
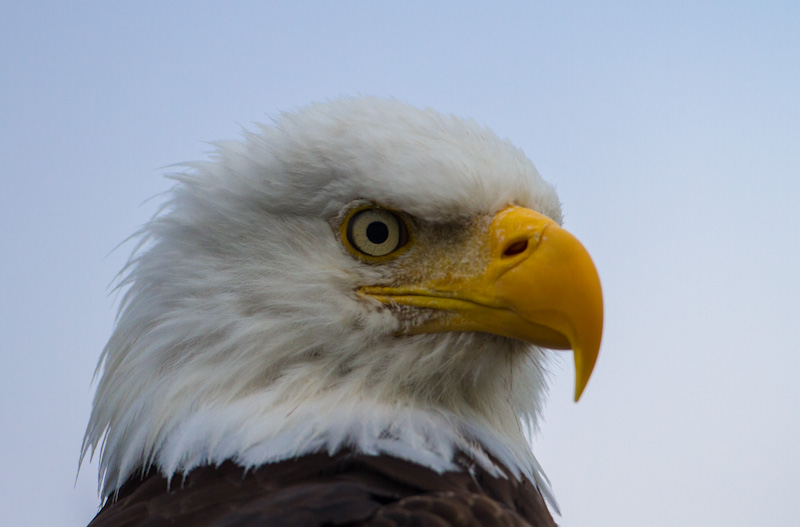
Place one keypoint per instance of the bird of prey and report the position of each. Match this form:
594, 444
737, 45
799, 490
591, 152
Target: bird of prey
342, 319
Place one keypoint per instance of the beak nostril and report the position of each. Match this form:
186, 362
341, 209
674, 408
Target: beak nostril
516, 248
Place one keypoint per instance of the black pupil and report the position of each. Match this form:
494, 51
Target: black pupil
377, 232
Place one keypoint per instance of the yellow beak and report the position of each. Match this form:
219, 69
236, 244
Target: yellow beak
537, 284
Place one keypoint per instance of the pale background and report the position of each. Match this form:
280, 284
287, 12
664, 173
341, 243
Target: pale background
672, 133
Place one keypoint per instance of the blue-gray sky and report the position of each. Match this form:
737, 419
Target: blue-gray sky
672, 133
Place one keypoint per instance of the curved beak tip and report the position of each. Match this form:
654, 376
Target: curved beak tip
585, 358
581, 380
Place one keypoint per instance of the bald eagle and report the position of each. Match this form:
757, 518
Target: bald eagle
342, 320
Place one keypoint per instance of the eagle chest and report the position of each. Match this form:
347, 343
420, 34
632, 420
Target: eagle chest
320, 490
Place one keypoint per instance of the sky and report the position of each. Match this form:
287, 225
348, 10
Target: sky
671, 131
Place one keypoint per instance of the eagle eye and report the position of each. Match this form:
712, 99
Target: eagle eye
376, 232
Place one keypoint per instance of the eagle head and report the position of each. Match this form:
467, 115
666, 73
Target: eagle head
359, 274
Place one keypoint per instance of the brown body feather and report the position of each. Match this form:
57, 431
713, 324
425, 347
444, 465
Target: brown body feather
322, 490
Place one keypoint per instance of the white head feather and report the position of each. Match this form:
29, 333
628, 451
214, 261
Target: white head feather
241, 336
